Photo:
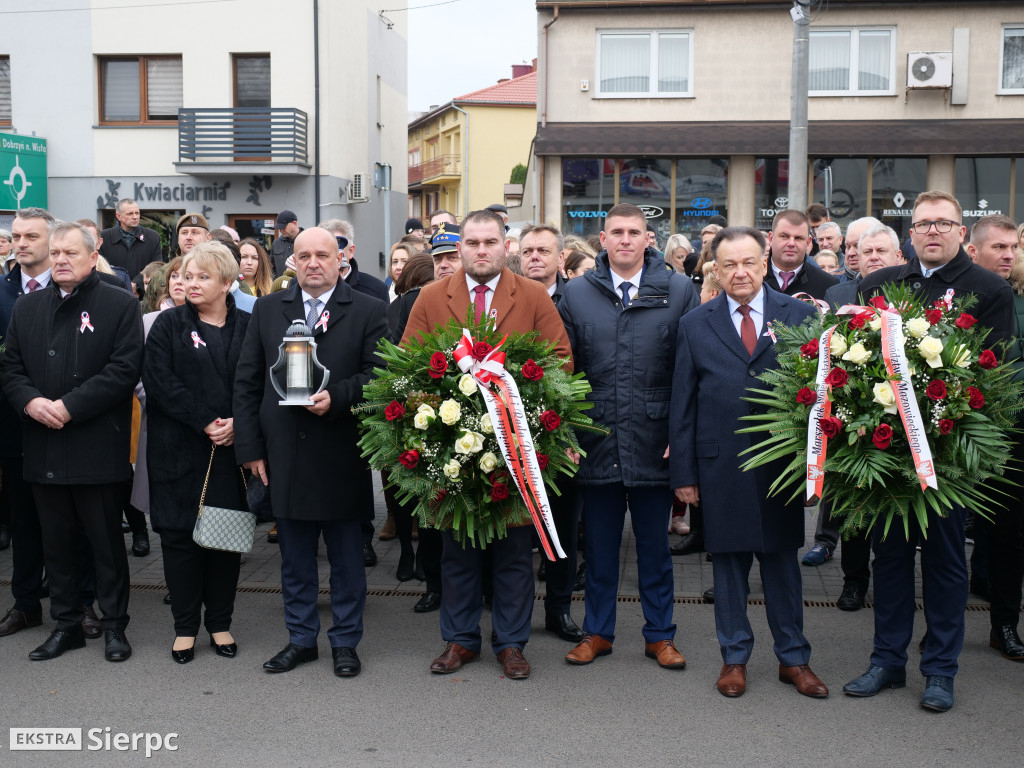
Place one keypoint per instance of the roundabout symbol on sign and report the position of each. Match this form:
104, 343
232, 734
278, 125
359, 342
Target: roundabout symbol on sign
18, 173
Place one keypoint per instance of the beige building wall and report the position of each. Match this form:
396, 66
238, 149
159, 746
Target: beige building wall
742, 65
499, 138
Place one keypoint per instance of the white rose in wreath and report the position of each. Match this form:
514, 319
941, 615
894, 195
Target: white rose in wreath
857, 354
837, 345
931, 350
918, 327
488, 462
485, 424
885, 397
423, 416
469, 442
451, 469
467, 385
450, 412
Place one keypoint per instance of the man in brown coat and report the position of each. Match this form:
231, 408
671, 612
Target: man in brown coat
517, 305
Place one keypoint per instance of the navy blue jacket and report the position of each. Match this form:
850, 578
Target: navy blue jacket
628, 356
10, 421
712, 373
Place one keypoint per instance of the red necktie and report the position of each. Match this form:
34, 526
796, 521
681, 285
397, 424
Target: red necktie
747, 333
787, 278
32, 285
480, 301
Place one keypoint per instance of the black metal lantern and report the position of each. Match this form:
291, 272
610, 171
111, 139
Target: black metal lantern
297, 355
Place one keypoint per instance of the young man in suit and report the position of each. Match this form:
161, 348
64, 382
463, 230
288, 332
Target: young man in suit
309, 455
721, 349
518, 305
791, 270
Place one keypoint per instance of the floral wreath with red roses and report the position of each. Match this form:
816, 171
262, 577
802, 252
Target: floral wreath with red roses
426, 424
964, 423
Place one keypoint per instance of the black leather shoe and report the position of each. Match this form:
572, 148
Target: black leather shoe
15, 621
91, 627
431, 601
1006, 640
227, 650
60, 640
184, 656
117, 648
874, 680
852, 598
140, 544
5, 537
289, 658
581, 578
563, 626
125, 528
369, 556
167, 599
709, 595
346, 662
406, 561
690, 544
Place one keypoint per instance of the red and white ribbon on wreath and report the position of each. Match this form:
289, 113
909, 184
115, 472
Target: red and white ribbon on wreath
505, 407
86, 323
817, 441
196, 341
896, 364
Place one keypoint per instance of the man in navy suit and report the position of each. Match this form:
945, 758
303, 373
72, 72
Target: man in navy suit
791, 271
721, 348
308, 456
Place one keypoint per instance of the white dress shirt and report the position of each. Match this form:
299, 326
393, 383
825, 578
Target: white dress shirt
43, 280
492, 284
618, 280
756, 312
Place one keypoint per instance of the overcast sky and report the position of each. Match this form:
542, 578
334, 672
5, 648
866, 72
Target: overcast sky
464, 45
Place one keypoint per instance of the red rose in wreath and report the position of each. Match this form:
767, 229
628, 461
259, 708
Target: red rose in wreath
810, 349
394, 410
882, 436
542, 461
977, 400
837, 378
879, 302
946, 426
857, 321
550, 420
806, 396
988, 360
499, 492
831, 426
438, 365
965, 321
410, 458
481, 349
936, 389
532, 371
933, 316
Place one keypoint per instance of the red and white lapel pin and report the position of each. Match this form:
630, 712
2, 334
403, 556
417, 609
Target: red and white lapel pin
86, 323
196, 340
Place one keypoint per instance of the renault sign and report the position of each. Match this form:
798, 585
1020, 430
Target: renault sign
22, 172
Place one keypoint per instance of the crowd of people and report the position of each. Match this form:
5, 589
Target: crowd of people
133, 387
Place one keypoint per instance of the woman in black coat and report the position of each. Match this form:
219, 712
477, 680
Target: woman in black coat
191, 355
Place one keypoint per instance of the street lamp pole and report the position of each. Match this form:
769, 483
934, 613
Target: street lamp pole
798, 107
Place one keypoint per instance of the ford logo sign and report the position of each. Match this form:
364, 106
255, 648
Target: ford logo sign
652, 211
701, 202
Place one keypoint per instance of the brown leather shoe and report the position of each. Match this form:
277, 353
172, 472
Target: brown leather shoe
732, 680
588, 650
806, 682
453, 658
15, 621
514, 664
91, 623
666, 654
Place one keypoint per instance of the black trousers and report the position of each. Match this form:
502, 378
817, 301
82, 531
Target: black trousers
428, 553
1005, 536
26, 538
66, 512
561, 574
196, 577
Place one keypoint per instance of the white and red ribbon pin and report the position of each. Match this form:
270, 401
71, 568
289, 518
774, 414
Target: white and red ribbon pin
322, 322
86, 323
196, 340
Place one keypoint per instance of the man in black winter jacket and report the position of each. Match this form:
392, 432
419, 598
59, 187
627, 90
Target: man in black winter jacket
73, 358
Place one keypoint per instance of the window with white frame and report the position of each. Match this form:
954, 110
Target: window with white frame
852, 61
634, 63
1011, 64
5, 90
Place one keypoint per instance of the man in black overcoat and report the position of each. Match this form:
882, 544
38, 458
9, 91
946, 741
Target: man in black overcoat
74, 355
308, 456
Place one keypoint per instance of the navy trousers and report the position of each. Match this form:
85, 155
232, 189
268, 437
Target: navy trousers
944, 570
783, 598
300, 581
604, 514
462, 590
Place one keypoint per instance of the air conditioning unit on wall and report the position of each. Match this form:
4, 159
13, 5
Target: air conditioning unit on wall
357, 189
930, 69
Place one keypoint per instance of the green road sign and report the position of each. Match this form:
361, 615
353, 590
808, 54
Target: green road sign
22, 172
